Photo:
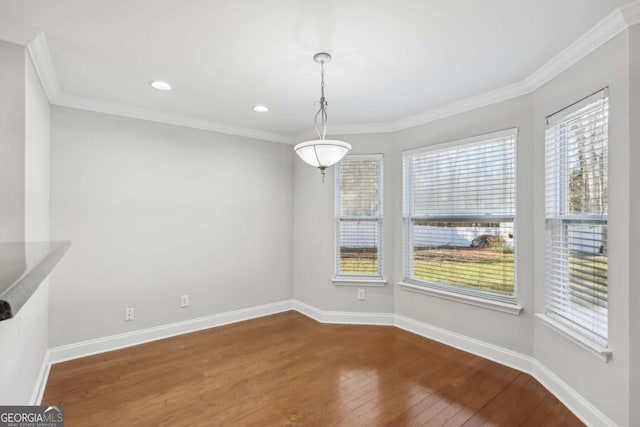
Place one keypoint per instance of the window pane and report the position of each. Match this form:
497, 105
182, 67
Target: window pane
358, 247
466, 180
465, 254
576, 210
459, 206
359, 216
359, 187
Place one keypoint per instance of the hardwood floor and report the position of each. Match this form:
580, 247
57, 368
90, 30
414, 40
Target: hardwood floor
288, 370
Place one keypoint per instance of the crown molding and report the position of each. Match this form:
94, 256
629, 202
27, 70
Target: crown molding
115, 109
609, 27
631, 13
39, 52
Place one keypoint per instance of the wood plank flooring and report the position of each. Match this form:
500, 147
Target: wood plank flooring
288, 370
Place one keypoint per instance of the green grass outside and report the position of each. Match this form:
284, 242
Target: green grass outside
482, 269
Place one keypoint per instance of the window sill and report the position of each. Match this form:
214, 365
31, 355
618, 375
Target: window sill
601, 352
359, 281
503, 307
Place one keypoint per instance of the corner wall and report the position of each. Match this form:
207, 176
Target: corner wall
634, 223
24, 337
12, 129
604, 385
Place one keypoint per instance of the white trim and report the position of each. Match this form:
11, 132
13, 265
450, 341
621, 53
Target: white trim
359, 281
463, 141
580, 406
609, 27
612, 25
106, 107
631, 13
501, 355
573, 400
344, 317
39, 53
41, 59
372, 156
41, 383
601, 352
502, 307
141, 336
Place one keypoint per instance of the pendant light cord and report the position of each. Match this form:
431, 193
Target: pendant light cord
322, 112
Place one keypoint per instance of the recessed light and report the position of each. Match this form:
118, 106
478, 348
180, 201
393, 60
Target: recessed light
260, 109
160, 85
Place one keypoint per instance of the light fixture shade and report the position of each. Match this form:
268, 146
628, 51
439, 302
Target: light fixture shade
322, 153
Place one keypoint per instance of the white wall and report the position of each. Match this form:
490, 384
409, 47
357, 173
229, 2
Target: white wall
634, 226
12, 129
156, 211
604, 384
24, 337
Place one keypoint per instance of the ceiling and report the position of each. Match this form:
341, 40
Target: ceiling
391, 59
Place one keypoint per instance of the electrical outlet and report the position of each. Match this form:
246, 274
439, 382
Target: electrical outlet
128, 314
184, 301
360, 294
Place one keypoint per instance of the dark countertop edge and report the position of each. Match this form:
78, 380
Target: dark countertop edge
16, 296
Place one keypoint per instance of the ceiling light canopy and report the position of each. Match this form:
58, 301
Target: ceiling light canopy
260, 108
160, 85
322, 153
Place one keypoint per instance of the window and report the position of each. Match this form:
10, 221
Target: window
459, 212
359, 217
576, 190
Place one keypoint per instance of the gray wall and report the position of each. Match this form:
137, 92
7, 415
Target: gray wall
314, 237
604, 384
12, 130
24, 338
156, 211
505, 330
634, 227
314, 232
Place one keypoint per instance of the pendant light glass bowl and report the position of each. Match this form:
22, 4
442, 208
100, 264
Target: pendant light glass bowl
322, 153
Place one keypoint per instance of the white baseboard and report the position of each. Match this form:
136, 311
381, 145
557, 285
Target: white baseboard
580, 406
128, 339
501, 355
573, 400
41, 382
343, 317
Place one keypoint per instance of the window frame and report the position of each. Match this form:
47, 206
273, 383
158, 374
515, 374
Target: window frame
565, 323
495, 301
360, 279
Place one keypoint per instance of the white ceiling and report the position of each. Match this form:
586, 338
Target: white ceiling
392, 59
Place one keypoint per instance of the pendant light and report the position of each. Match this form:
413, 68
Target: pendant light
322, 153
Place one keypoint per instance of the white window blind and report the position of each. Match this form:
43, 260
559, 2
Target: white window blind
576, 188
359, 216
459, 212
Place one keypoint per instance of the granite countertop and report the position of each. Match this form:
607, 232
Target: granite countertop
23, 267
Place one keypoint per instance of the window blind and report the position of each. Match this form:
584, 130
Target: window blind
576, 208
459, 210
359, 216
